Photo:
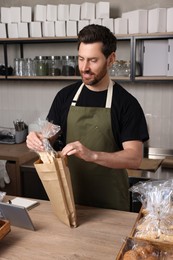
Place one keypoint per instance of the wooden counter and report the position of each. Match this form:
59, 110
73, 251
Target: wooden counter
15, 154
99, 235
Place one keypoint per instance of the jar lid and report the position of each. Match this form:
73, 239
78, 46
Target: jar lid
68, 57
54, 57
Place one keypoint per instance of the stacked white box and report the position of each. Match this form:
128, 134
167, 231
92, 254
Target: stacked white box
109, 23
51, 13
26, 14
35, 29
169, 24
157, 20
60, 28
12, 29
120, 25
170, 58
82, 24
74, 13
63, 12
88, 11
71, 28
96, 21
3, 33
5, 15
15, 14
102, 10
40, 13
23, 30
137, 21
48, 29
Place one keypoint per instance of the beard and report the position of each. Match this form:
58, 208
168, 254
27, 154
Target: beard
94, 79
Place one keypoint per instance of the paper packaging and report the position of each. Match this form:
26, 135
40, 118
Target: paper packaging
15, 15
12, 29
56, 180
48, 29
102, 10
23, 30
120, 26
169, 25
96, 21
109, 23
26, 14
87, 11
137, 21
74, 14
51, 13
60, 28
40, 13
71, 28
35, 29
5, 15
3, 33
63, 12
157, 20
82, 24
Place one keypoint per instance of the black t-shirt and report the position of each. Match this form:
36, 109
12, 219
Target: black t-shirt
128, 120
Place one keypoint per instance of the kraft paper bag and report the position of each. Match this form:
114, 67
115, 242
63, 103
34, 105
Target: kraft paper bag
55, 177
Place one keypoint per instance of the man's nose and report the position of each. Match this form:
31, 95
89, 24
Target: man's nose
85, 65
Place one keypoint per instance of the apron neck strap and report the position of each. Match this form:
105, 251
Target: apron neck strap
108, 98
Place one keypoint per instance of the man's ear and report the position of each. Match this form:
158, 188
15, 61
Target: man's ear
111, 59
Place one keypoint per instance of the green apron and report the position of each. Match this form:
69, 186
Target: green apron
95, 185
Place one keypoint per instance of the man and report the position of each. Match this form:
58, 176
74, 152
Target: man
103, 126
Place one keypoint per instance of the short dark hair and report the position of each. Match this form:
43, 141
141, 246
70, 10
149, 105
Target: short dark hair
97, 33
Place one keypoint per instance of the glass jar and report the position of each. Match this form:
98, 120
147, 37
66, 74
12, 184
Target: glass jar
68, 65
28, 67
54, 65
41, 66
19, 67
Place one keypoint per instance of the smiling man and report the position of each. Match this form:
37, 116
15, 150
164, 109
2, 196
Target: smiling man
103, 126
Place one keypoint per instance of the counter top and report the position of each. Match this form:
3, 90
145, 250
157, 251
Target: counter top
99, 235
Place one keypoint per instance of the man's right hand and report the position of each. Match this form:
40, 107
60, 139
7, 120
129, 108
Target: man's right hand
34, 141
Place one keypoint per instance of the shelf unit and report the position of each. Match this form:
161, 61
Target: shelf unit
134, 40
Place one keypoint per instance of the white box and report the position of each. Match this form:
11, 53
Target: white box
23, 30
109, 23
3, 33
102, 10
88, 11
26, 14
155, 57
120, 26
40, 13
169, 24
71, 28
35, 29
157, 20
137, 21
5, 15
15, 15
96, 21
51, 14
74, 14
12, 29
60, 28
63, 12
82, 24
170, 58
48, 29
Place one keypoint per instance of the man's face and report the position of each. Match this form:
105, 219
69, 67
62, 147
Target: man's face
92, 63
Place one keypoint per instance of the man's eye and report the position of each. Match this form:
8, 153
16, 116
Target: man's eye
93, 60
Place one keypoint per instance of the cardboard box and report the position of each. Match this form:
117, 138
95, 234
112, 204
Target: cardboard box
63, 12
35, 29
157, 20
15, 15
82, 24
137, 21
87, 11
109, 23
48, 29
40, 13
120, 26
169, 24
23, 30
170, 58
12, 29
103, 10
74, 14
51, 13
60, 28
96, 21
26, 14
3, 33
71, 28
5, 15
